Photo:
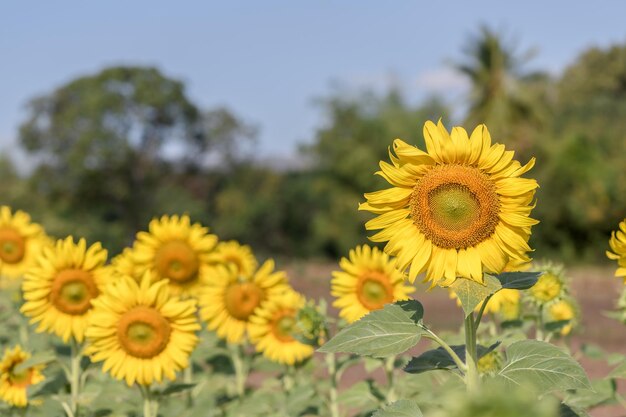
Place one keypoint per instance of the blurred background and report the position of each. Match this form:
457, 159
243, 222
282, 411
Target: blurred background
266, 120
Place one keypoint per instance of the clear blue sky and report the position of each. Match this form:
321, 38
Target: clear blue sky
267, 60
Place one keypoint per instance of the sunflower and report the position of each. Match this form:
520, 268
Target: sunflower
141, 331
229, 299
14, 385
175, 249
560, 310
550, 285
368, 281
20, 242
274, 326
124, 265
239, 255
505, 302
457, 211
618, 246
58, 291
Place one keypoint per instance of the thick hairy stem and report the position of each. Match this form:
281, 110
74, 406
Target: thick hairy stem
188, 379
75, 379
333, 404
241, 375
471, 375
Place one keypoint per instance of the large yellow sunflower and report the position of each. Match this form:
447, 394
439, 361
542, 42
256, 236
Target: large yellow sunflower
20, 242
14, 385
273, 327
368, 281
175, 249
457, 211
141, 331
229, 299
239, 255
618, 246
58, 291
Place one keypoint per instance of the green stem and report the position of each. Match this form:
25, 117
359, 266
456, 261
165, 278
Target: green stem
75, 370
150, 404
539, 325
188, 379
391, 379
333, 404
471, 376
479, 315
236, 356
432, 336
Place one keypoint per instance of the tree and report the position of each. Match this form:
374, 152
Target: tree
503, 96
106, 142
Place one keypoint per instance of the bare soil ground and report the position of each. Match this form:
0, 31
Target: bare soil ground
594, 287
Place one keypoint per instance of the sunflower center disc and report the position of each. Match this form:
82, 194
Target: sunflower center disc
235, 260
72, 291
283, 326
177, 261
12, 246
374, 290
241, 299
455, 206
21, 379
143, 332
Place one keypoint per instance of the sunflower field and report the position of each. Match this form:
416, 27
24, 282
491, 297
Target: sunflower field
182, 323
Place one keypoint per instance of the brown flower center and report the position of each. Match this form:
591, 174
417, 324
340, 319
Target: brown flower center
22, 379
12, 245
241, 299
374, 290
177, 261
72, 291
455, 206
235, 260
143, 332
283, 325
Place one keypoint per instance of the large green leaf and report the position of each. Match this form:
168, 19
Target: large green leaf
440, 359
402, 408
542, 365
41, 358
390, 331
472, 293
518, 280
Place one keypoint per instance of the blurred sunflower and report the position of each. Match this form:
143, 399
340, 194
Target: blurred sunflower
458, 210
618, 246
505, 302
175, 249
368, 281
232, 252
141, 331
58, 291
125, 265
273, 327
14, 385
561, 310
229, 299
20, 242
552, 284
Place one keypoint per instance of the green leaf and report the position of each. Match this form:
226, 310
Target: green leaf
567, 411
518, 280
542, 365
472, 293
41, 358
176, 388
619, 372
439, 358
387, 332
603, 392
556, 326
402, 408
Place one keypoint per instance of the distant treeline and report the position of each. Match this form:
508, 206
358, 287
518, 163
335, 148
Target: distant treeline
116, 148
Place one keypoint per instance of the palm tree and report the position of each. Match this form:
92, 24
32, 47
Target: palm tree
502, 95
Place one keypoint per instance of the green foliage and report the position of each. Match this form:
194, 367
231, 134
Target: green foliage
440, 359
542, 365
472, 293
390, 331
402, 408
518, 280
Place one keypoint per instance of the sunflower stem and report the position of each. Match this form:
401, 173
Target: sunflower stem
472, 380
479, 315
333, 404
150, 404
188, 379
432, 336
75, 358
391, 379
236, 356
